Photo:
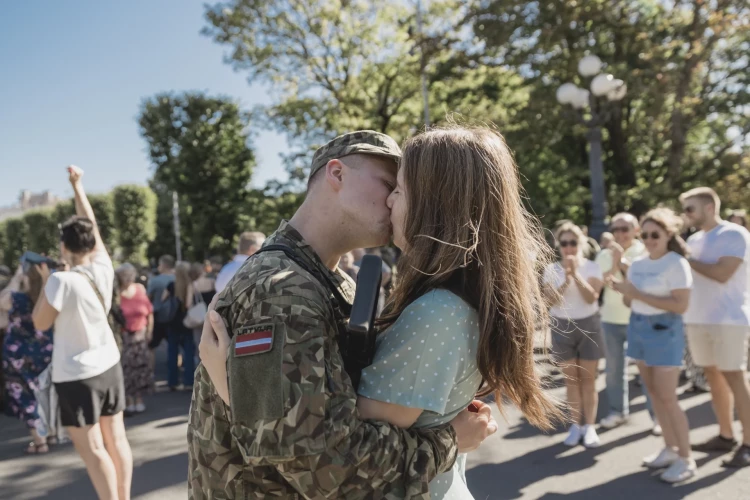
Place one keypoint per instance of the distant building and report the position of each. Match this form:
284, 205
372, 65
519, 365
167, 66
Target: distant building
29, 201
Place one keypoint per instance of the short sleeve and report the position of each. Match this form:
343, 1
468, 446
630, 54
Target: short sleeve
593, 270
419, 358
56, 291
732, 244
680, 276
604, 261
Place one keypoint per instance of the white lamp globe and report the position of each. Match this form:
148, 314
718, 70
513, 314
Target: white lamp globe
589, 65
566, 93
581, 100
602, 85
618, 93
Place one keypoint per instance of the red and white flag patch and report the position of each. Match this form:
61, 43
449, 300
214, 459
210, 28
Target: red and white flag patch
254, 340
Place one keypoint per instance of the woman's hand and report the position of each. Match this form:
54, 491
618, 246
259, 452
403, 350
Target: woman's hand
213, 352
625, 287
570, 263
43, 271
74, 174
473, 427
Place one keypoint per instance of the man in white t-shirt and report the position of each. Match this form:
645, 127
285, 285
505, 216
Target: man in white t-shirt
718, 317
86, 369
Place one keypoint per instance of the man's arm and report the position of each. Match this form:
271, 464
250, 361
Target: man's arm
83, 207
302, 419
721, 271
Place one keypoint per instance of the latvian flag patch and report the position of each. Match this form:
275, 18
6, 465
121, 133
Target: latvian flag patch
254, 340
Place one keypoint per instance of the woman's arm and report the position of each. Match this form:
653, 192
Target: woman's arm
150, 327
676, 302
83, 206
589, 288
400, 416
6, 296
189, 299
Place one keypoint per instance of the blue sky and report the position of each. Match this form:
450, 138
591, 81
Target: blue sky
72, 76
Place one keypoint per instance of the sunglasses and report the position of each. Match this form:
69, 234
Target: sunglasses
568, 243
619, 229
653, 236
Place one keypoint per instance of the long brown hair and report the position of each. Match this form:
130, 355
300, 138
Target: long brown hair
182, 281
34, 284
672, 223
467, 231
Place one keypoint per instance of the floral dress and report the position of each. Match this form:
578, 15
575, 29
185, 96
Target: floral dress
26, 353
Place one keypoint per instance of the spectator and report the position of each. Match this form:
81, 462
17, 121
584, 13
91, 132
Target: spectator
139, 325
86, 368
156, 287
179, 297
572, 288
614, 263
346, 264
204, 286
658, 289
718, 316
214, 265
606, 239
738, 217
26, 352
250, 242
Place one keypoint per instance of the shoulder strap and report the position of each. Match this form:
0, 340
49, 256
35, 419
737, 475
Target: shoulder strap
324, 280
96, 289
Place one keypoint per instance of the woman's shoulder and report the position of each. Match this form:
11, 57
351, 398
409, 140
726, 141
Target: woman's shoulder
438, 299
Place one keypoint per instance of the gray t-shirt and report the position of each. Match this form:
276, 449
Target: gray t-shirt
428, 360
156, 287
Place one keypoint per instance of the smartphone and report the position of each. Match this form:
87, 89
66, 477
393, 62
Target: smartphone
29, 259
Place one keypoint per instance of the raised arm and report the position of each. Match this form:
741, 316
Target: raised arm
83, 207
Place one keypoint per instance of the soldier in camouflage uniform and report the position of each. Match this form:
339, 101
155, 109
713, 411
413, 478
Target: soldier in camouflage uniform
292, 429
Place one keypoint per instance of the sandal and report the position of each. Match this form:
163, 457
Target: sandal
740, 459
37, 448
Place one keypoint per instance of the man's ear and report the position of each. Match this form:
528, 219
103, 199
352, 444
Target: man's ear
334, 172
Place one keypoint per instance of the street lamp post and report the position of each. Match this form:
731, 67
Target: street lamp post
605, 90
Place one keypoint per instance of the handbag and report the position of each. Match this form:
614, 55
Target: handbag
197, 312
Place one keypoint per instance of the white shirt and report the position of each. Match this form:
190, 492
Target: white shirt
84, 345
228, 271
572, 305
659, 277
714, 303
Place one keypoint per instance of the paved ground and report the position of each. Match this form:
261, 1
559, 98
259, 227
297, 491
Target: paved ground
517, 463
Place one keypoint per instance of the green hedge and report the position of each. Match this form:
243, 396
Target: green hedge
135, 220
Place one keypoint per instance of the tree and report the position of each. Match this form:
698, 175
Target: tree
685, 63
16, 240
135, 219
199, 147
42, 233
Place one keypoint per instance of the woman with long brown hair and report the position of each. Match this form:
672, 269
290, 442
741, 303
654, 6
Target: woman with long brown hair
179, 294
26, 352
657, 289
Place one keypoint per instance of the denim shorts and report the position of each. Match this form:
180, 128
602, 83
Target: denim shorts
657, 340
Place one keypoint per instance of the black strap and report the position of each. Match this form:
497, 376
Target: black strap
324, 280
96, 290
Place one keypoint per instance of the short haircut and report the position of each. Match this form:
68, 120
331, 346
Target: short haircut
627, 217
167, 261
78, 235
126, 273
250, 239
705, 194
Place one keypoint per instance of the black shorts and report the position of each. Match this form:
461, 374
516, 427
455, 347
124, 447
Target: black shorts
159, 334
82, 402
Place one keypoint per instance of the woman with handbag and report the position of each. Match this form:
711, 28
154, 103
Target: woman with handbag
180, 297
86, 370
26, 352
139, 326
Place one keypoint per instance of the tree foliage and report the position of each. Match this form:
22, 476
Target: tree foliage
16, 241
199, 147
135, 219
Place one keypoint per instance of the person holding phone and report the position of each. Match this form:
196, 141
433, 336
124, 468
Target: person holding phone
86, 368
657, 290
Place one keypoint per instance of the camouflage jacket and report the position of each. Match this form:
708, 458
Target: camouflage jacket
292, 429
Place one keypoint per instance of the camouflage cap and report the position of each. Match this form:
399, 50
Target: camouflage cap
366, 142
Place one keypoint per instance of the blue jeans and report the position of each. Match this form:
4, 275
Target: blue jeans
616, 340
180, 337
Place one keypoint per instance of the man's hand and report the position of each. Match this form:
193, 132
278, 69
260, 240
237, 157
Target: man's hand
473, 427
74, 174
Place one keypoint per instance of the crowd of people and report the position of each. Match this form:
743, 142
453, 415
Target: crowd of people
87, 331
667, 304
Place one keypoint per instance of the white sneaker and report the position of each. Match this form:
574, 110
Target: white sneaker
574, 436
140, 408
590, 437
664, 458
613, 420
681, 470
656, 429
